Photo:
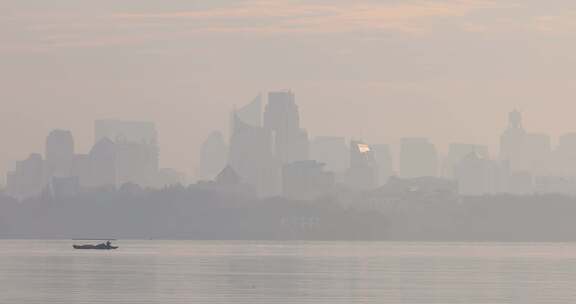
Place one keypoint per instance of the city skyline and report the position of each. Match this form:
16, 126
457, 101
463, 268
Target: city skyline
193, 170
288, 151
269, 152
444, 71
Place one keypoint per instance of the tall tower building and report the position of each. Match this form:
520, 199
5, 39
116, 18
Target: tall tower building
136, 148
383, 157
27, 179
59, 154
213, 156
512, 142
282, 119
102, 164
363, 172
252, 158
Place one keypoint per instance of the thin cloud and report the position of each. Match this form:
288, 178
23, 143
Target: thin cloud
259, 17
288, 17
561, 24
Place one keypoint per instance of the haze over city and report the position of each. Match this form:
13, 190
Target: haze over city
377, 70
288, 151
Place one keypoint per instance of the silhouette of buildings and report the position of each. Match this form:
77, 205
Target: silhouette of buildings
269, 153
513, 144
227, 182
363, 171
103, 159
27, 180
282, 119
61, 187
528, 155
383, 156
82, 168
251, 156
418, 158
59, 154
136, 149
213, 156
250, 113
306, 180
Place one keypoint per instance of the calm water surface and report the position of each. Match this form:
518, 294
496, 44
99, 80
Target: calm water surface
294, 272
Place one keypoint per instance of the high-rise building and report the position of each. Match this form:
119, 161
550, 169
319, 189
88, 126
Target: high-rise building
512, 143
136, 149
332, 151
252, 158
383, 157
81, 168
250, 113
27, 179
363, 171
103, 164
213, 156
418, 158
59, 154
282, 119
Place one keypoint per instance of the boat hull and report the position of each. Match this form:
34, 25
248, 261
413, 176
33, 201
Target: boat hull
95, 247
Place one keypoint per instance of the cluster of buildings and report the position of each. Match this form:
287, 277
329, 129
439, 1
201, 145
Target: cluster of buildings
124, 152
270, 151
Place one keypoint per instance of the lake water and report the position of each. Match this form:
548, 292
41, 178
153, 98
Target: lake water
292, 272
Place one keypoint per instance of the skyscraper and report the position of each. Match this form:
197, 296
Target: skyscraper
27, 179
251, 157
59, 154
103, 164
136, 150
251, 113
213, 156
418, 158
383, 157
363, 171
282, 119
512, 142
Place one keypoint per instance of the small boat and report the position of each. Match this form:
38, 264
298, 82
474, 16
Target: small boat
102, 246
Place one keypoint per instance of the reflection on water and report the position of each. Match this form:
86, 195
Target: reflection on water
259, 272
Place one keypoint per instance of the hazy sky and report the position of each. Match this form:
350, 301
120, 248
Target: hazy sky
446, 69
